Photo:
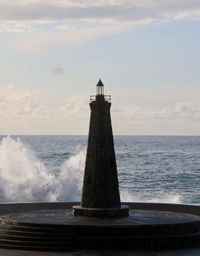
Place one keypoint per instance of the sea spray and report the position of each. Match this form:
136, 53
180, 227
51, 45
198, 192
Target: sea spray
161, 198
69, 181
23, 178
50, 168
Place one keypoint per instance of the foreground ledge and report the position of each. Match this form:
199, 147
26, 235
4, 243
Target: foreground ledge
52, 227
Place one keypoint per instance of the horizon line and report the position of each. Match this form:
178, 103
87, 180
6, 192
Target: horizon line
164, 135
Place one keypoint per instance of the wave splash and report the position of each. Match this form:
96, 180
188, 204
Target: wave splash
23, 178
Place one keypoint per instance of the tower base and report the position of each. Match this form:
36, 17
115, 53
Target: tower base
52, 227
122, 211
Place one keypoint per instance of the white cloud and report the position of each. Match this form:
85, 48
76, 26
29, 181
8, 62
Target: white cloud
15, 103
36, 42
75, 108
181, 110
21, 112
181, 118
52, 22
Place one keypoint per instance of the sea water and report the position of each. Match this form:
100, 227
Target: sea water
50, 168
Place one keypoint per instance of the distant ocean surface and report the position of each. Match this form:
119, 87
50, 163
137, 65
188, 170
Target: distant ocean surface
50, 168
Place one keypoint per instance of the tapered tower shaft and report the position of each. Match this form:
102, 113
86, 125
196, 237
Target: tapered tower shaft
100, 186
100, 194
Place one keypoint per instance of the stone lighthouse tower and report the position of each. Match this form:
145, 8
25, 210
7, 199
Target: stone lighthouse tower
100, 194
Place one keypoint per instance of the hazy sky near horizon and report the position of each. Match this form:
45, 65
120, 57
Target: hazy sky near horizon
147, 53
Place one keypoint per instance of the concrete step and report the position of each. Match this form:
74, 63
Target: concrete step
43, 238
35, 228
177, 241
36, 244
23, 233
34, 248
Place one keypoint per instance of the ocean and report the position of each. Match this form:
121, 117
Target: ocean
50, 168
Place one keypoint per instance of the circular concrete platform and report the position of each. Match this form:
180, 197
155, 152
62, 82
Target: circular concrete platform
52, 227
137, 218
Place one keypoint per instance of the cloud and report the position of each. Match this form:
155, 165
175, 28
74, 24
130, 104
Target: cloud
180, 118
27, 112
57, 70
16, 104
41, 41
40, 24
101, 10
181, 110
76, 107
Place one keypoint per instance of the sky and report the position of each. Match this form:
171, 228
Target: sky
53, 52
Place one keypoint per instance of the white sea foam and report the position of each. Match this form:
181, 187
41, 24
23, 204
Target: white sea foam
162, 198
172, 199
24, 178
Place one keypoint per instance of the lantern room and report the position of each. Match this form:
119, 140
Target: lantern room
100, 88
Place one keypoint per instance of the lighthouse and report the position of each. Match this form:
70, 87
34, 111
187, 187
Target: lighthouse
100, 193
